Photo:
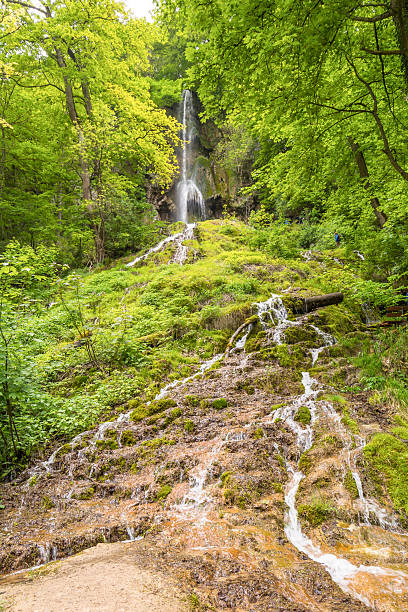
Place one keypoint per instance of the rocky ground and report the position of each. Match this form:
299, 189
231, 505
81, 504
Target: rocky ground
198, 480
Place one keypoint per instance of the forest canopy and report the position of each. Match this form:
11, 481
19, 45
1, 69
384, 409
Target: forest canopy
323, 88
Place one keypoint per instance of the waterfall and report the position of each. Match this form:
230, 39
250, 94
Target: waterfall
189, 199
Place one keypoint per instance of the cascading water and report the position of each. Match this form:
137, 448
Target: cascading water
178, 239
189, 199
351, 578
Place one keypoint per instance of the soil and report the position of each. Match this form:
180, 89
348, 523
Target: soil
104, 578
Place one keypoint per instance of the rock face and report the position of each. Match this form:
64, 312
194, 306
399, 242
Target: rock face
220, 164
207, 472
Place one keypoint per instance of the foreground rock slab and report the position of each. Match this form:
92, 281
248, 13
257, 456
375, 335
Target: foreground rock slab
104, 578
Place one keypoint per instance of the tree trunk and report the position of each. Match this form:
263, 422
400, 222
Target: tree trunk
399, 9
365, 177
73, 115
304, 305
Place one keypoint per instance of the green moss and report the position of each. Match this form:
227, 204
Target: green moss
303, 415
219, 404
317, 512
276, 406
349, 422
47, 503
331, 442
350, 484
277, 487
258, 433
225, 477
138, 414
86, 494
127, 438
149, 447
141, 411
63, 450
192, 400
109, 444
389, 456
164, 492
188, 425
305, 462
245, 386
162, 404
177, 412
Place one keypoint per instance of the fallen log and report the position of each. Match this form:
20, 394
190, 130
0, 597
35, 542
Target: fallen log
307, 304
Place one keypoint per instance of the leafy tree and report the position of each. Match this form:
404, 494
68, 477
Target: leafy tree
80, 111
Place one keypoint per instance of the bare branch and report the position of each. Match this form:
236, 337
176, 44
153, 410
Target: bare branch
25, 5
374, 19
382, 51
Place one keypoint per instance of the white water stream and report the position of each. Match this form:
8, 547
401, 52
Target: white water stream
181, 251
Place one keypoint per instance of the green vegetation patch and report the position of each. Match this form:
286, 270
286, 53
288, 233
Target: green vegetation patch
317, 512
350, 484
303, 415
389, 456
164, 492
219, 404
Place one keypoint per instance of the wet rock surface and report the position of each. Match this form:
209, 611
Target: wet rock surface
204, 478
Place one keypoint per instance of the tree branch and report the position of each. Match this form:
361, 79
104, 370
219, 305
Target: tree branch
25, 5
374, 112
373, 19
382, 51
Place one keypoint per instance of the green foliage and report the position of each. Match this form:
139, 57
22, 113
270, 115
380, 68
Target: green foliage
81, 130
259, 433
188, 425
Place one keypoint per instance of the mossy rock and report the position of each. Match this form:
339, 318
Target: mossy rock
299, 333
350, 484
88, 493
163, 492
162, 404
188, 425
128, 438
220, 403
245, 386
316, 513
258, 433
305, 462
110, 444
191, 400
349, 422
67, 448
387, 460
303, 415
155, 407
